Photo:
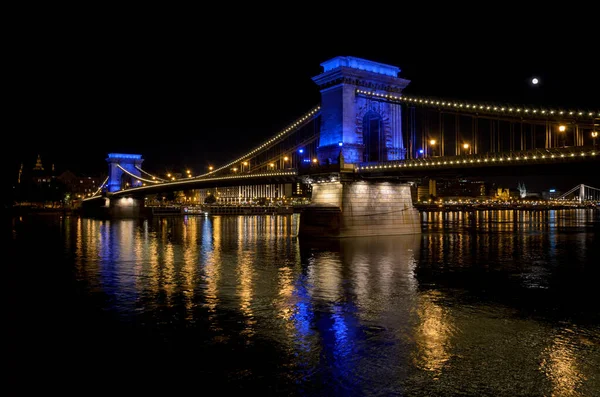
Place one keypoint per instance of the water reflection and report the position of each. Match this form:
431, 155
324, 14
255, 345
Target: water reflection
560, 364
494, 305
509, 220
433, 334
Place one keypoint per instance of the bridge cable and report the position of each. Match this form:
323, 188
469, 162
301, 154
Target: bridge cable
310, 116
97, 192
136, 176
153, 176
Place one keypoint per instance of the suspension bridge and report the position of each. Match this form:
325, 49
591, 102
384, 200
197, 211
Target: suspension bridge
581, 194
362, 148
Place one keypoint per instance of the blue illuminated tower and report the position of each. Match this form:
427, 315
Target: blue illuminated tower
362, 128
123, 169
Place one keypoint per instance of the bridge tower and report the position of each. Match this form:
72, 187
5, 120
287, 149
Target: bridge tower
358, 127
117, 178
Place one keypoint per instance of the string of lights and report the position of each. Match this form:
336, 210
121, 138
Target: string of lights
137, 177
292, 127
215, 178
149, 174
514, 110
478, 159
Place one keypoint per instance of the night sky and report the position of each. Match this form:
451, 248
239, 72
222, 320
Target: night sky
188, 89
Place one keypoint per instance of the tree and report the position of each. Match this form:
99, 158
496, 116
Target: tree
210, 199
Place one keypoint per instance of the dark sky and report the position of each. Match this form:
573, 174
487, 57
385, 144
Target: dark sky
190, 88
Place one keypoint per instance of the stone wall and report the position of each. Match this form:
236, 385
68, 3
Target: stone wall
378, 208
360, 208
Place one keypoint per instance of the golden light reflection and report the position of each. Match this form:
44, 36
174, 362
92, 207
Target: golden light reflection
168, 272
88, 245
327, 277
382, 270
79, 240
433, 335
285, 281
212, 267
190, 254
560, 366
245, 291
93, 246
152, 262
247, 250
162, 275
190, 247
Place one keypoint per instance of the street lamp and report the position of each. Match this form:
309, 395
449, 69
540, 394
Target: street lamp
563, 128
210, 167
432, 144
285, 159
466, 147
594, 135
245, 163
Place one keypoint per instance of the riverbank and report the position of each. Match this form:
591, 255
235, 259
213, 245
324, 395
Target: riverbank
23, 210
500, 207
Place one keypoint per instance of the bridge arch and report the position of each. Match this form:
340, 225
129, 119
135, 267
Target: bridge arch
373, 134
120, 168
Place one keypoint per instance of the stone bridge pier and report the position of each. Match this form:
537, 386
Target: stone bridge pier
360, 208
357, 129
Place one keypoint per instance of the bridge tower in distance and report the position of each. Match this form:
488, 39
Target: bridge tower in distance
117, 162
359, 127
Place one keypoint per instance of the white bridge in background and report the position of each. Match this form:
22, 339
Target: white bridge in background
581, 193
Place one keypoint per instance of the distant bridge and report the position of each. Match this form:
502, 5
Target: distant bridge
581, 193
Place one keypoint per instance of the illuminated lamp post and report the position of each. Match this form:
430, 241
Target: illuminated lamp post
285, 159
467, 149
562, 129
432, 144
594, 135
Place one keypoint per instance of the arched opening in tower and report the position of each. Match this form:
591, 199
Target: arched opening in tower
373, 137
127, 181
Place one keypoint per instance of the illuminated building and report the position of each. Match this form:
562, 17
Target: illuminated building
79, 186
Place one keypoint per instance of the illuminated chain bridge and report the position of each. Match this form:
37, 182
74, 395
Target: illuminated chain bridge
367, 139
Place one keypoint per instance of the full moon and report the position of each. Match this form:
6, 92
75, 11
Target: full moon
534, 81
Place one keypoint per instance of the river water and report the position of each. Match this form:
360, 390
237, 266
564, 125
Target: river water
497, 303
